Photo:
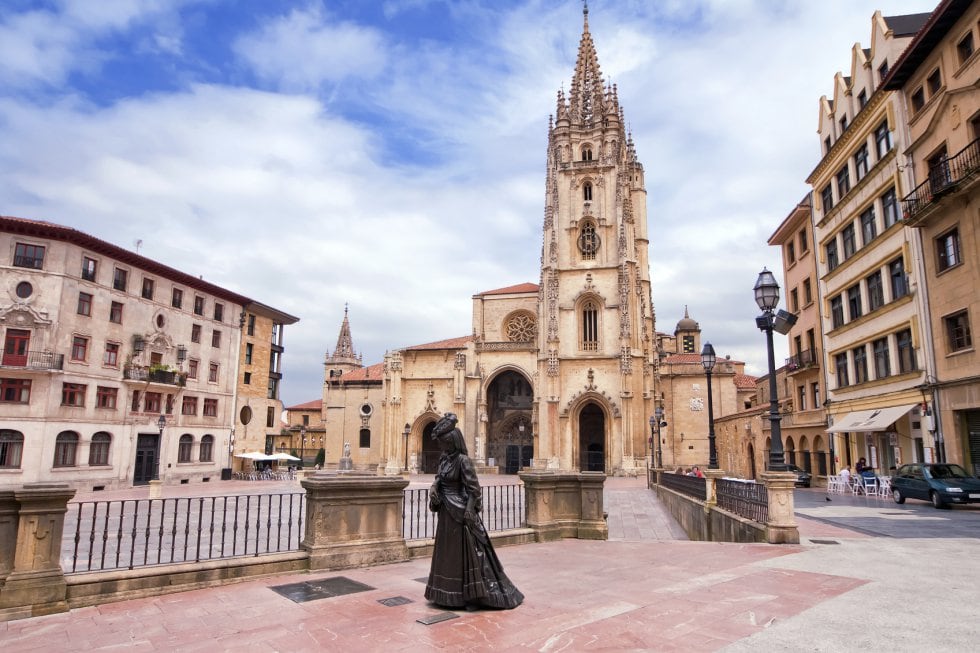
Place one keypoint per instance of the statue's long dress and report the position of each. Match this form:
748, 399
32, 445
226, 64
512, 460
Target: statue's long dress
465, 569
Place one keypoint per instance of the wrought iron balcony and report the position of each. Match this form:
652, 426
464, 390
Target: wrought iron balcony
34, 360
945, 177
166, 377
803, 360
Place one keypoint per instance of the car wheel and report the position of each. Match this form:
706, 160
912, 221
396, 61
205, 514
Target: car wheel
897, 495
936, 501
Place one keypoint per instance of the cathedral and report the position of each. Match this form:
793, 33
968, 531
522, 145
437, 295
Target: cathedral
562, 374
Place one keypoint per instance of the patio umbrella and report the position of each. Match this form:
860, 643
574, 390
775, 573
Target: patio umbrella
254, 455
282, 455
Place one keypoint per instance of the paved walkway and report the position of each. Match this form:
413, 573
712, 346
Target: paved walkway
633, 592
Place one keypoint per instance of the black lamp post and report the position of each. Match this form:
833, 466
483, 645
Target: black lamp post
161, 424
302, 446
659, 414
708, 362
406, 433
767, 297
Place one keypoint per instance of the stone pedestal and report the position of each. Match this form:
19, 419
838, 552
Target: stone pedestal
36, 586
561, 505
345, 465
156, 489
710, 494
8, 533
354, 520
781, 527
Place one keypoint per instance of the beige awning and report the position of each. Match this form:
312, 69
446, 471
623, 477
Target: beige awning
869, 420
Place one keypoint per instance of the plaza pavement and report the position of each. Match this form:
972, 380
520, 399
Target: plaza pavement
644, 589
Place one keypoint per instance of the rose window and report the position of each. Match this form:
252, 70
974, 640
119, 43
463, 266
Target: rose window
521, 328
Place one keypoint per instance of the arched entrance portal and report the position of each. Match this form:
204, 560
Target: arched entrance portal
510, 440
592, 439
429, 462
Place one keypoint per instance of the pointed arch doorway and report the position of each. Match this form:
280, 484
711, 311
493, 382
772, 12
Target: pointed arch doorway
510, 437
592, 438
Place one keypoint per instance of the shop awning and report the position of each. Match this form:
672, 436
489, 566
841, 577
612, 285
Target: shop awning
869, 420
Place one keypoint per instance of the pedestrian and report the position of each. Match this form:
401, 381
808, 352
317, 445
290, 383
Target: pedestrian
698, 472
845, 477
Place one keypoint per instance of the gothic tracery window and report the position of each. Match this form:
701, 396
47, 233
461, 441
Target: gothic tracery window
586, 153
588, 241
590, 326
587, 191
521, 328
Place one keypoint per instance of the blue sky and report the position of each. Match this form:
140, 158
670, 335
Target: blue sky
391, 154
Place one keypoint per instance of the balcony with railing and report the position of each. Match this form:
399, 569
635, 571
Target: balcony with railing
945, 178
803, 360
34, 360
149, 375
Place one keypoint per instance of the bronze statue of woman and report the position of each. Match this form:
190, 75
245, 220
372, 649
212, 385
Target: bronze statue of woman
465, 570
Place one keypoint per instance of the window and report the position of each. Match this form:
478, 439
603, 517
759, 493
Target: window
826, 145
917, 99
135, 405
251, 325
120, 278
84, 304
860, 355
111, 356
79, 348
210, 407
198, 305
815, 393
804, 241
106, 397
29, 256
794, 300
801, 394
832, 259
185, 448
849, 241
863, 98
192, 368
270, 416
65, 447
188, 406
906, 353
889, 206
586, 153
213, 373
590, 326
837, 311
854, 302
177, 298
827, 198
882, 365
964, 49
115, 312
195, 333
219, 311
861, 162
248, 353
147, 292
883, 140
882, 71
934, 82
273, 392
152, 401
306, 420
206, 454
843, 181
948, 249
247, 378
876, 291
588, 241
365, 439
807, 292
869, 229
24, 289
215, 338
89, 267
587, 191
843, 124
169, 406
98, 449
15, 391
11, 448
958, 331
791, 252
896, 271
840, 362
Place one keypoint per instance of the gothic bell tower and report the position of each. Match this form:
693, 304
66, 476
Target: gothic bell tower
596, 368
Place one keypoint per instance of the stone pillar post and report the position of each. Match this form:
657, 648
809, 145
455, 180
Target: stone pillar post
710, 489
592, 519
539, 497
36, 586
565, 505
781, 527
8, 533
354, 520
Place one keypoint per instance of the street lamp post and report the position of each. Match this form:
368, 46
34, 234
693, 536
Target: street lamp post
767, 297
659, 414
708, 362
161, 424
406, 433
652, 434
302, 446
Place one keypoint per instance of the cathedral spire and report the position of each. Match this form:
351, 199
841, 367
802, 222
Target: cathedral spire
344, 354
588, 91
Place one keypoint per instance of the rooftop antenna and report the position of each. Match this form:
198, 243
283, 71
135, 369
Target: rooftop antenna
138, 243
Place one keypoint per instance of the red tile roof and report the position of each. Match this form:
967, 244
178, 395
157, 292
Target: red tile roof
744, 381
309, 405
370, 373
510, 290
680, 359
452, 343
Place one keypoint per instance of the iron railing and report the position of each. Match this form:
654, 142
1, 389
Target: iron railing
168, 377
692, 486
802, 360
503, 509
131, 533
744, 498
34, 360
943, 177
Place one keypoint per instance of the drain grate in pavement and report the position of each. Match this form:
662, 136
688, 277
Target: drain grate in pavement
437, 617
395, 600
324, 588
825, 541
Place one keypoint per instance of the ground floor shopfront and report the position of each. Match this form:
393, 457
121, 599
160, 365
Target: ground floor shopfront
886, 436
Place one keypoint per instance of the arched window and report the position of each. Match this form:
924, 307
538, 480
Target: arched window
11, 449
98, 450
590, 326
586, 152
587, 191
65, 447
207, 449
365, 439
185, 448
588, 241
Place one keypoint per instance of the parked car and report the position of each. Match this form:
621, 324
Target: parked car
940, 483
803, 477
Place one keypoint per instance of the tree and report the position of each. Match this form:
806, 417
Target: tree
321, 456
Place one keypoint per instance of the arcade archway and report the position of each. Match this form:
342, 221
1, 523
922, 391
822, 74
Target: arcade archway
510, 437
592, 438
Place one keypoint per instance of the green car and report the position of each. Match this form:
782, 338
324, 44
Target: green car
940, 483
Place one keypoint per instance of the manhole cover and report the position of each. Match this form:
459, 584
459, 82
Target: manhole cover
437, 617
320, 589
395, 600
825, 541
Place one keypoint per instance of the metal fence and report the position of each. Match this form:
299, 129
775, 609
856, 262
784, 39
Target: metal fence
744, 498
503, 509
689, 485
143, 532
